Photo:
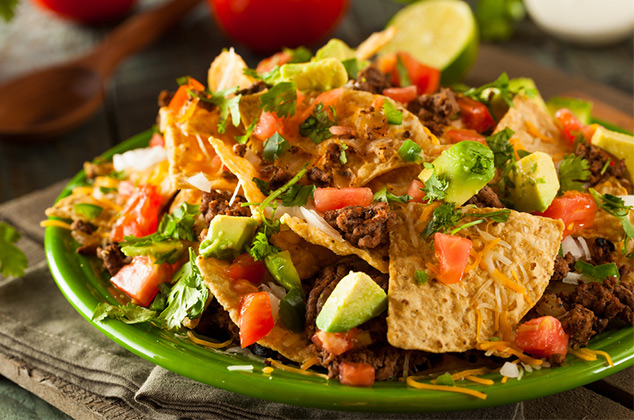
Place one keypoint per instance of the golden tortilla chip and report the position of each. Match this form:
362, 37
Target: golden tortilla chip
534, 127
438, 318
293, 346
307, 258
226, 71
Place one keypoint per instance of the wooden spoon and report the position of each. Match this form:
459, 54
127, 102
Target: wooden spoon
55, 100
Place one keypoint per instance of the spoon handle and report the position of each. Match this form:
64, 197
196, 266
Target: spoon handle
137, 32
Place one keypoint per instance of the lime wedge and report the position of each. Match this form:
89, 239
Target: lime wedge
439, 33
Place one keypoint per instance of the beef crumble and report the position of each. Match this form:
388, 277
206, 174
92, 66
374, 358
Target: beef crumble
319, 177
365, 227
372, 80
598, 159
217, 202
113, 258
486, 197
276, 176
435, 111
164, 98
256, 87
563, 265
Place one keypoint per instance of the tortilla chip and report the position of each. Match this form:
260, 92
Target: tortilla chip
373, 44
534, 127
226, 71
307, 258
377, 257
435, 317
293, 346
605, 225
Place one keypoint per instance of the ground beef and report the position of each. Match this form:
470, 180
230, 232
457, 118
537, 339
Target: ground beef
113, 258
597, 159
578, 323
95, 169
556, 360
365, 227
217, 202
164, 98
371, 79
563, 265
602, 251
239, 149
276, 176
257, 86
83, 232
486, 197
216, 323
435, 111
550, 304
82, 226
319, 177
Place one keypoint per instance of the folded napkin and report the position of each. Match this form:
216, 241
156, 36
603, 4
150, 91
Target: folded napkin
40, 330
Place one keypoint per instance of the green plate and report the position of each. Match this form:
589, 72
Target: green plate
77, 278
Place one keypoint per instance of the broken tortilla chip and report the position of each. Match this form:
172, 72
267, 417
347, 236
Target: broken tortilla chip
508, 278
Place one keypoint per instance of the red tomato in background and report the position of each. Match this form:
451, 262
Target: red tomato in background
266, 26
452, 253
141, 279
475, 115
402, 94
542, 337
337, 198
88, 11
256, 318
456, 135
575, 209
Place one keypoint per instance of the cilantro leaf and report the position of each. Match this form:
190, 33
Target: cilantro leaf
260, 247
436, 186
263, 186
353, 66
387, 197
616, 207
343, 156
227, 106
180, 223
274, 146
421, 277
410, 151
573, 172
128, 313
446, 216
244, 138
281, 99
317, 126
393, 115
503, 151
297, 195
7, 9
187, 297
499, 88
12, 259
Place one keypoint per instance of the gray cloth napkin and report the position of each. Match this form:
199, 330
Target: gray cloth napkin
41, 330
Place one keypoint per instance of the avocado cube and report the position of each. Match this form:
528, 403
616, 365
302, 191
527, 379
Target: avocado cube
282, 269
172, 248
580, 108
356, 299
335, 48
325, 74
468, 166
619, 144
227, 236
535, 182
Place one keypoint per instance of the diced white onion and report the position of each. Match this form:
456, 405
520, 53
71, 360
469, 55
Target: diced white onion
316, 221
281, 210
572, 278
239, 350
202, 147
243, 368
274, 289
139, 159
528, 368
569, 244
252, 157
200, 181
510, 369
628, 200
235, 193
584, 246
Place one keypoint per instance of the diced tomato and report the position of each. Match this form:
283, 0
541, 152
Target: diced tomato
542, 337
125, 189
141, 278
570, 125
457, 135
475, 115
577, 210
269, 63
341, 130
267, 125
339, 343
141, 213
452, 253
356, 374
425, 78
336, 198
216, 164
402, 94
245, 267
588, 131
256, 318
157, 140
386, 63
327, 99
181, 96
415, 191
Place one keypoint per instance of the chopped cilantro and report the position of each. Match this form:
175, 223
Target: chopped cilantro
263, 186
421, 277
281, 99
387, 197
446, 216
401, 70
7, 9
410, 152
343, 156
503, 151
393, 115
12, 260
616, 207
599, 272
274, 146
297, 195
573, 172
180, 223
499, 87
128, 313
606, 165
227, 106
436, 186
317, 126
260, 247
244, 138
353, 66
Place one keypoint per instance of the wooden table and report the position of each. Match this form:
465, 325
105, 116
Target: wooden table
37, 39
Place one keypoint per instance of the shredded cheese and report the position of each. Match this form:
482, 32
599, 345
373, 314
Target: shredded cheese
478, 323
428, 210
206, 343
533, 131
308, 363
267, 370
528, 299
478, 258
286, 368
591, 355
504, 379
469, 372
433, 269
457, 389
507, 347
602, 353
506, 281
481, 381
54, 223
431, 135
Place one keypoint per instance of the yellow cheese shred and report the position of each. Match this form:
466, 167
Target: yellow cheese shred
526, 298
489, 246
54, 223
308, 363
533, 131
267, 369
506, 281
206, 343
469, 372
478, 323
591, 355
286, 368
507, 347
460, 390
481, 381
504, 379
